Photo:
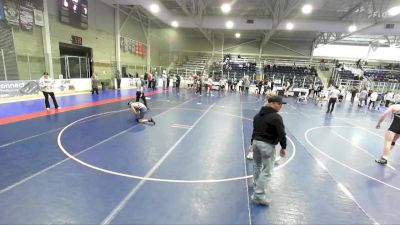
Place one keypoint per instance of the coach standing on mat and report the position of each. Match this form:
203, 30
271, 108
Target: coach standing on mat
46, 84
268, 130
140, 92
333, 96
392, 134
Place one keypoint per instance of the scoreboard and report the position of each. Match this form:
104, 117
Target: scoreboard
74, 13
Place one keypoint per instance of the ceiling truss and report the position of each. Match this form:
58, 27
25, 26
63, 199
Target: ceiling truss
195, 9
281, 10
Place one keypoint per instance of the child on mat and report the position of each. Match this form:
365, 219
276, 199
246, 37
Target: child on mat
139, 109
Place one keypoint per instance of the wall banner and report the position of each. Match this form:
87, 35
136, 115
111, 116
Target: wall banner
11, 12
38, 14
18, 88
26, 18
1, 11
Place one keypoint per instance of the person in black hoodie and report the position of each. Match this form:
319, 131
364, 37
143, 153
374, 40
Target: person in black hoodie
268, 131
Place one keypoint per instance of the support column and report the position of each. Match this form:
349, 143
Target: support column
117, 40
48, 57
148, 40
369, 52
222, 53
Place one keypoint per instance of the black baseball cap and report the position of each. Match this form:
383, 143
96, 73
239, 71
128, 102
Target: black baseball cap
277, 99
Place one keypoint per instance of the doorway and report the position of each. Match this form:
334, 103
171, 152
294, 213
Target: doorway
123, 71
76, 61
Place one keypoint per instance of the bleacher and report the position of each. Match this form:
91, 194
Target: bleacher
347, 75
390, 76
234, 66
239, 65
300, 77
191, 64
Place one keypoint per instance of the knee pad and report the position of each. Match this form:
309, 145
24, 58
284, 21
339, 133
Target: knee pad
393, 143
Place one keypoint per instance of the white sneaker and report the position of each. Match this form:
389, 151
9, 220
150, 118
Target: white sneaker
250, 156
47, 108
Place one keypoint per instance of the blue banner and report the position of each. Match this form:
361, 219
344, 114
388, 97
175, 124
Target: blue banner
1, 11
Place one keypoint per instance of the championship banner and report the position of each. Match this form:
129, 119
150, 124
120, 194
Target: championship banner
11, 12
38, 14
1, 11
18, 88
26, 18
132, 46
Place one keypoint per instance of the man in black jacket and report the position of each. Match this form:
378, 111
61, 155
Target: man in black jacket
268, 131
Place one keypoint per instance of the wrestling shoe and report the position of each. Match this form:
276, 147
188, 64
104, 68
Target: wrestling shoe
381, 160
259, 201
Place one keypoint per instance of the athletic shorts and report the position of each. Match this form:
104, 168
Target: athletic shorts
142, 113
395, 127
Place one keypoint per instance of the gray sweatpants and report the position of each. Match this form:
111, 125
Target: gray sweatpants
264, 159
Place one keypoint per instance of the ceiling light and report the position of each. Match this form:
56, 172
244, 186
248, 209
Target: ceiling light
229, 24
307, 9
225, 8
289, 26
394, 11
237, 35
174, 23
154, 8
352, 28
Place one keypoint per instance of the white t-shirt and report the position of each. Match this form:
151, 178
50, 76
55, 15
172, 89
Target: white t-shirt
374, 96
209, 82
46, 84
334, 93
139, 86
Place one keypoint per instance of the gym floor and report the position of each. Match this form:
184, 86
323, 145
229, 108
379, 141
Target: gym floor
92, 163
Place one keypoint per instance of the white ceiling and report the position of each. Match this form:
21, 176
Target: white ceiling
327, 23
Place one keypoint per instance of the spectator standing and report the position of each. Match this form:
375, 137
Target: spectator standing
240, 84
178, 82
209, 86
95, 84
149, 79
246, 84
164, 79
353, 95
199, 84
388, 98
372, 99
168, 78
333, 96
362, 97
118, 77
